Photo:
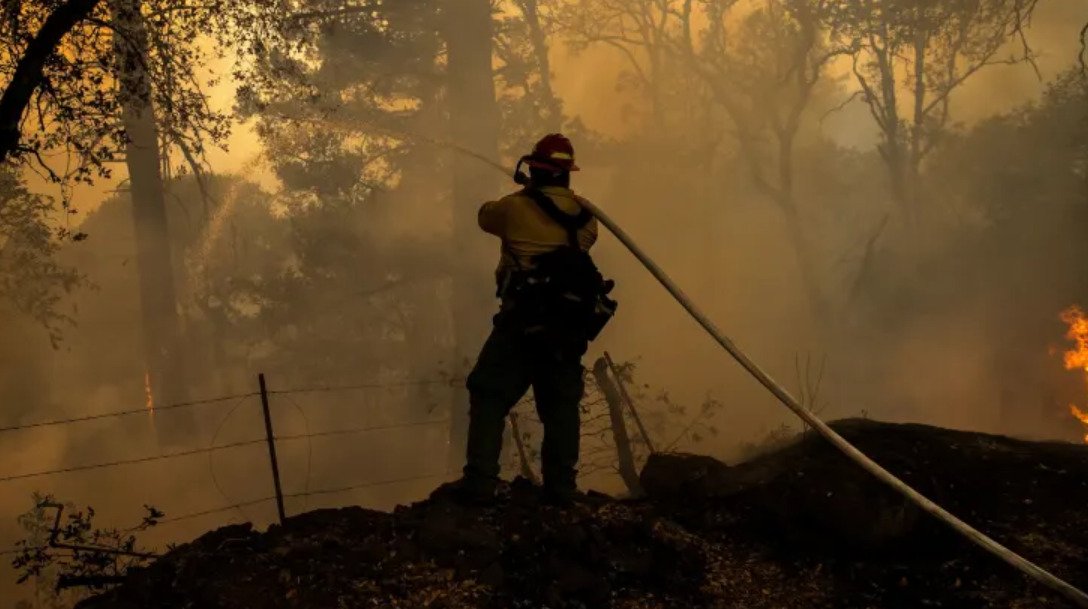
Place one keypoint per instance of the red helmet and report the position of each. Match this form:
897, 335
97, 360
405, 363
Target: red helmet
553, 151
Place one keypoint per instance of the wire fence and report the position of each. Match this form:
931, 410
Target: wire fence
124, 413
148, 459
269, 437
446, 382
144, 410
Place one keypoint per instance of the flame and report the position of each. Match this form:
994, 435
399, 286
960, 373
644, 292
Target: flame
1083, 416
150, 403
1077, 359
1078, 333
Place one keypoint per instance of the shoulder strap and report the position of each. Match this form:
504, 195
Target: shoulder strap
571, 224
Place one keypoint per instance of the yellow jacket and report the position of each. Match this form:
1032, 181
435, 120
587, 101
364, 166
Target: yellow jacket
527, 231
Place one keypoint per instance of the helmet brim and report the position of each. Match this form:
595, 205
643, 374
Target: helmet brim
531, 162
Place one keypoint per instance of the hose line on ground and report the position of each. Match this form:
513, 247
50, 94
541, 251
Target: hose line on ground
1034, 571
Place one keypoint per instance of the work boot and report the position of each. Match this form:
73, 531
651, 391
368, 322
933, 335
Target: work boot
468, 490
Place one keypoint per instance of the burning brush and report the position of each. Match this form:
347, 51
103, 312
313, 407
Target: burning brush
1077, 359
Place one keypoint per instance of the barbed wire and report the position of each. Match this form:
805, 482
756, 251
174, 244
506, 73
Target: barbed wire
175, 455
450, 382
309, 446
226, 508
122, 413
211, 456
197, 451
357, 430
211, 449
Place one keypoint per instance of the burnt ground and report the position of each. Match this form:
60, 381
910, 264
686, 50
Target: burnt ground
800, 527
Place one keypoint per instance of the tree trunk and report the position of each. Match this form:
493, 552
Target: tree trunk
893, 149
429, 331
624, 454
629, 402
474, 125
155, 270
802, 246
807, 267
917, 134
897, 174
530, 9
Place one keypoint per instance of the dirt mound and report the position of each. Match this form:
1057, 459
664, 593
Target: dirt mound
801, 527
808, 506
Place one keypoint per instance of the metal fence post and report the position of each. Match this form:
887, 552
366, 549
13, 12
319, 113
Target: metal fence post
630, 403
272, 448
626, 458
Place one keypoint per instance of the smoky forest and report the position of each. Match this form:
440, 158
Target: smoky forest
252, 319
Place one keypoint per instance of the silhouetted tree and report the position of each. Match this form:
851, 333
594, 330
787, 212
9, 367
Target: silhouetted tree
32, 281
62, 63
534, 30
163, 357
763, 68
90, 83
640, 30
468, 30
29, 63
934, 47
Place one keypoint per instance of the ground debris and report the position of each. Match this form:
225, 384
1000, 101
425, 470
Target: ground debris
799, 528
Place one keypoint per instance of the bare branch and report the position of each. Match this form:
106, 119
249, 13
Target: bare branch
839, 107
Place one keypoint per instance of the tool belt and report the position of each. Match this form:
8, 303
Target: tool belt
564, 290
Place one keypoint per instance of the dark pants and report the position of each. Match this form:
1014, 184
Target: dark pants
512, 360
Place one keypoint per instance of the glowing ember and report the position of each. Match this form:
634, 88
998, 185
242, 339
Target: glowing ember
147, 391
1077, 359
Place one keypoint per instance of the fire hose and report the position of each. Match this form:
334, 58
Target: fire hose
1072, 593
1032, 570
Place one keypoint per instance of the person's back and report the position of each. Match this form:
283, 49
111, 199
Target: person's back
551, 307
527, 231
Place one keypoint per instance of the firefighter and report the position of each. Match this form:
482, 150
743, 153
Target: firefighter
552, 303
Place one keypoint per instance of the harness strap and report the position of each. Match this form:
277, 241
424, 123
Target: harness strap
571, 224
